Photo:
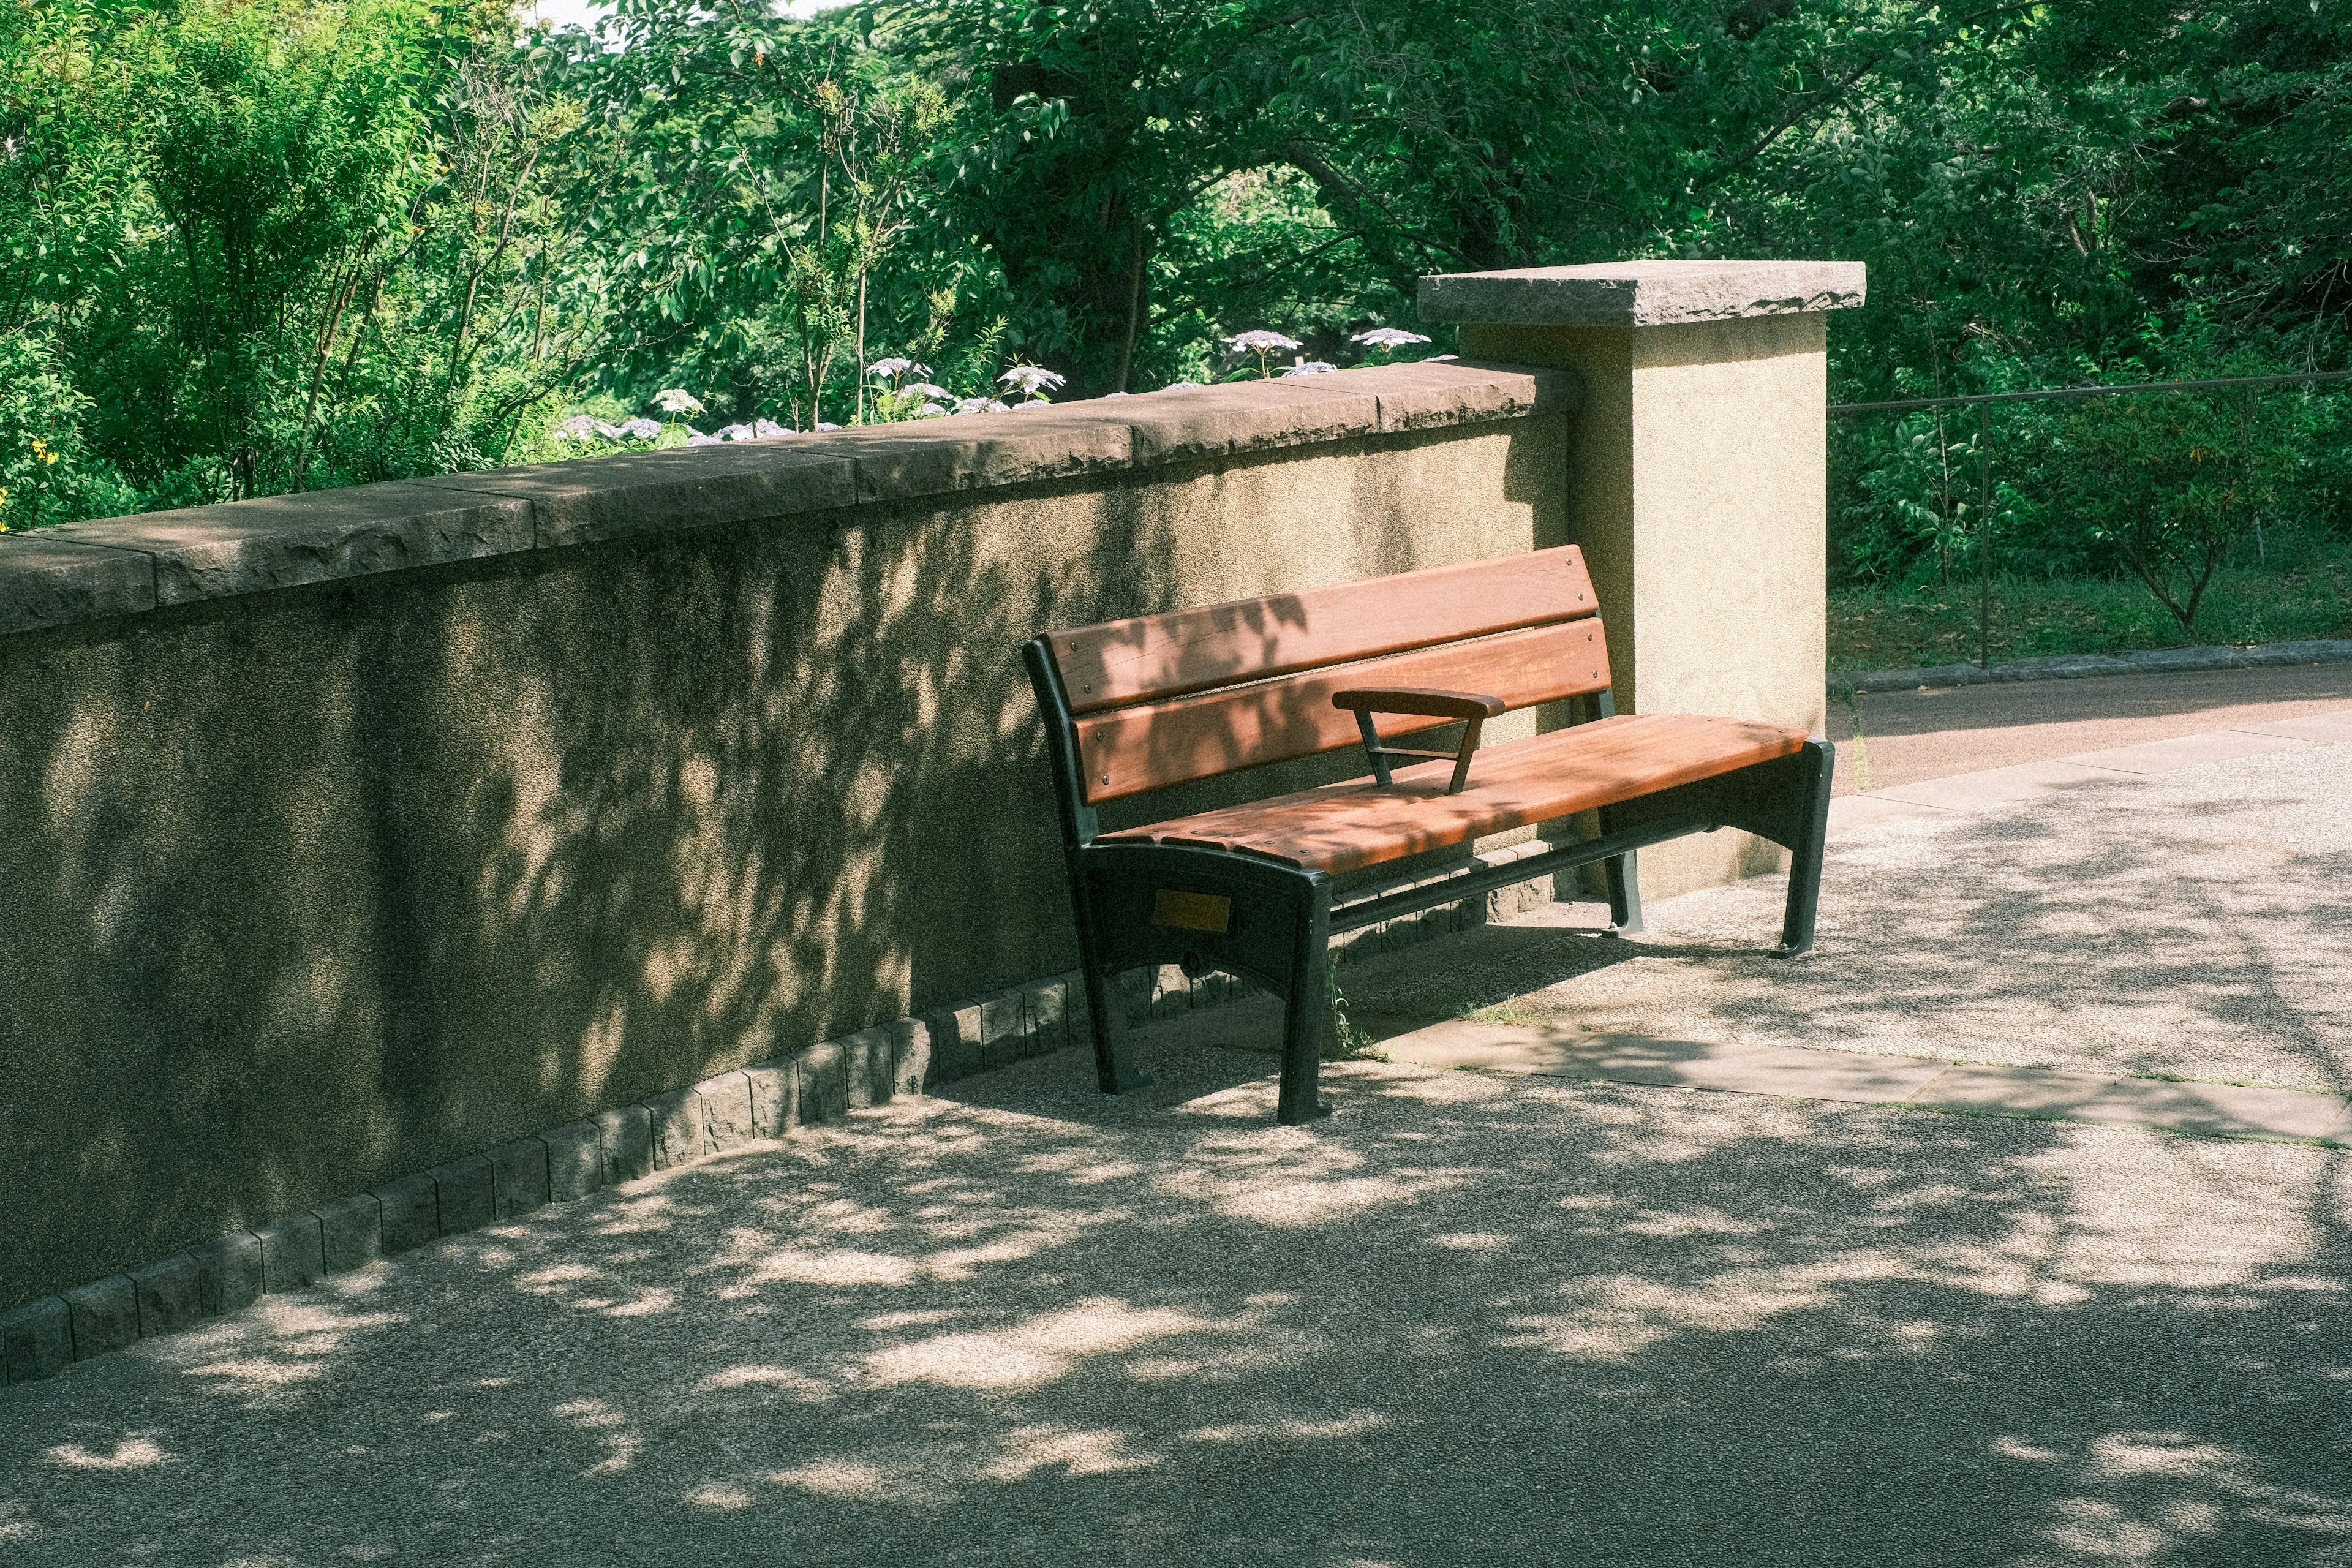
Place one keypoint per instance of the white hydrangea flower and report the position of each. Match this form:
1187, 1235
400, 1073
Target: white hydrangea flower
640, 430
924, 389
1387, 338
1308, 367
1033, 379
1261, 342
676, 400
894, 368
732, 433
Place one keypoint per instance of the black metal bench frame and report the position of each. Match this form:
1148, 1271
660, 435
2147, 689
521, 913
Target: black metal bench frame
1205, 909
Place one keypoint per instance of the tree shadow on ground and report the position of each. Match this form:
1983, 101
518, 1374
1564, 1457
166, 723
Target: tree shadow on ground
2191, 927
1465, 1320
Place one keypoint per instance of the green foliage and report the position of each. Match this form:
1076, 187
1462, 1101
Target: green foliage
2288, 586
250, 246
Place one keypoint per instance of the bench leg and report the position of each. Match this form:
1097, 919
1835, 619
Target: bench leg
1115, 1066
1805, 854
1307, 1011
1624, 878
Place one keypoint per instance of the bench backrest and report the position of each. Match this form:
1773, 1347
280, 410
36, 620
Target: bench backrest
1162, 699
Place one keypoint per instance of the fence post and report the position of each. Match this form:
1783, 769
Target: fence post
1984, 536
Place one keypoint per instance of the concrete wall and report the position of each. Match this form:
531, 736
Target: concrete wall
345, 835
1698, 487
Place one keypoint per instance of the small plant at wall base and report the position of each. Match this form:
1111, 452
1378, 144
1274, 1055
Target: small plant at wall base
1346, 1038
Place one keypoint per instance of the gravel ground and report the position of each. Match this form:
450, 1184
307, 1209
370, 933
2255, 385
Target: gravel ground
2196, 925
1469, 1320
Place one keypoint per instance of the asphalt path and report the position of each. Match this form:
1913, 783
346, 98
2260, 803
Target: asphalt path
1908, 736
1471, 1318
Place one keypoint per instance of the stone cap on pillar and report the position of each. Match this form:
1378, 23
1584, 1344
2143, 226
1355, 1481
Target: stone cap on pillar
1640, 293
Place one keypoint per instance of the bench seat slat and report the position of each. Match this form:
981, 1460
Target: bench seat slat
1153, 657
1347, 827
1132, 750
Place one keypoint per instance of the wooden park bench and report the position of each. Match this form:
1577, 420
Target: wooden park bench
1138, 705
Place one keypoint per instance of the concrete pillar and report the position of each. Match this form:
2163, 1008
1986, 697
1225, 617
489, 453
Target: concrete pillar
1698, 482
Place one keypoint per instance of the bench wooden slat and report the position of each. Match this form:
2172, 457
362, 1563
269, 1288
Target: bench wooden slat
1130, 750
1347, 826
1157, 656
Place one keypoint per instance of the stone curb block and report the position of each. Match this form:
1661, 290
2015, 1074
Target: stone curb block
575, 1161
824, 1083
954, 1035
520, 1174
35, 1340
627, 1136
293, 1254
2076, 666
775, 1098
727, 1115
351, 1232
230, 1272
466, 1194
910, 1055
1002, 1021
865, 1061
677, 1127
170, 1295
411, 1212
105, 1316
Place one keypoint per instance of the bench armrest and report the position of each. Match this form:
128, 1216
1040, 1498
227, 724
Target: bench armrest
1471, 708
1421, 700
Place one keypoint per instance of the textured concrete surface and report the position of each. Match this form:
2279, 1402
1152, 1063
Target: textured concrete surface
2190, 923
2215, 1109
569, 827
1472, 1318
1642, 293
1697, 489
1469, 1320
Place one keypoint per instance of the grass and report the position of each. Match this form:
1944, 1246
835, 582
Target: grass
1898, 629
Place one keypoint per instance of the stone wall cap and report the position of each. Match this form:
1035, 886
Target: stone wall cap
319, 536
88, 571
46, 582
1641, 294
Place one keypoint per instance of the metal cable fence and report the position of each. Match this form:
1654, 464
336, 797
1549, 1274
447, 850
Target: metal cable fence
2222, 492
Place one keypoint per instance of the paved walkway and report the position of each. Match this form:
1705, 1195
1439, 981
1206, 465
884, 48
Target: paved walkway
1488, 1316
1906, 737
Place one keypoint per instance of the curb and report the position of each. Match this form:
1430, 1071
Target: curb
819, 1084
2077, 666
686, 1126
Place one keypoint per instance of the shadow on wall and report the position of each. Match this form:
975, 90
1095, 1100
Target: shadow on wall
311, 890
1468, 1321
